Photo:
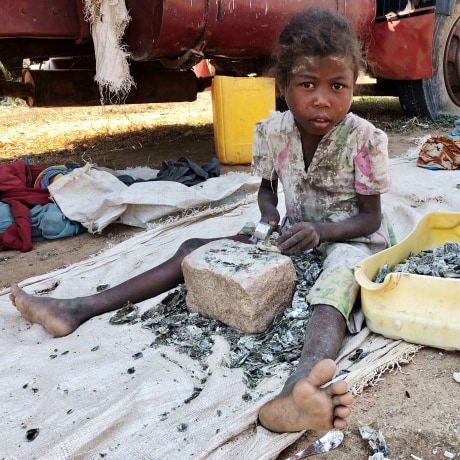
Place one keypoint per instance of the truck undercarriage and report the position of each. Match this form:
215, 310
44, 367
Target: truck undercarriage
412, 49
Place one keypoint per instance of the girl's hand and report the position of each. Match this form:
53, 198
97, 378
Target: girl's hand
271, 216
268, 200
299, 237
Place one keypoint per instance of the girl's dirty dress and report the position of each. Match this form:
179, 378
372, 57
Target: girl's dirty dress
350, 160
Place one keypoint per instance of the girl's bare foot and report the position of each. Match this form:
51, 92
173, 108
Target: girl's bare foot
55, 315
308, 406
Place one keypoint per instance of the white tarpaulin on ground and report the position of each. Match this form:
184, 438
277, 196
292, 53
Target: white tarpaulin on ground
103, 198
90, 397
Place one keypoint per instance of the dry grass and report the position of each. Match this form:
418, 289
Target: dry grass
69, 129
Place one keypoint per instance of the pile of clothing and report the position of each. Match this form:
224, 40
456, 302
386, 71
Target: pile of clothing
441, 152
27, 213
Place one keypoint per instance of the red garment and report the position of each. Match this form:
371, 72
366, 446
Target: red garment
16, 188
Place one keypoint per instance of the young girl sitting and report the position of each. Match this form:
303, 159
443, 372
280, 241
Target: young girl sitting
333, 167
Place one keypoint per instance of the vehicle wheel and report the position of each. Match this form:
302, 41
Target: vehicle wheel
439, 95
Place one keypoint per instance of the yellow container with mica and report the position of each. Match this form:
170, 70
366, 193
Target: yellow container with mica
237, 104
419, 309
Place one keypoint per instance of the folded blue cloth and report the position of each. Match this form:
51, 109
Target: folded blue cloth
456, 131
6, 219
48, 222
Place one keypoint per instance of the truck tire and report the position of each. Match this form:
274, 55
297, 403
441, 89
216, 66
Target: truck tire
439, 95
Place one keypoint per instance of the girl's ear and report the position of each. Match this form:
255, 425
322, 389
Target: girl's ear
281, 105
280, 92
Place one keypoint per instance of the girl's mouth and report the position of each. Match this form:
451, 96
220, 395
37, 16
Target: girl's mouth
320, 123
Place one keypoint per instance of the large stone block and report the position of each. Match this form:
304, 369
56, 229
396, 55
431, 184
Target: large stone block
238, 284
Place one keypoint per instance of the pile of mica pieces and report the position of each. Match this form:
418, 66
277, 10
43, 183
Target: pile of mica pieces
442, 261
192, 334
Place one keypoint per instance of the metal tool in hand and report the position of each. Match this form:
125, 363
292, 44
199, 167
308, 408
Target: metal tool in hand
262, 232
329, 441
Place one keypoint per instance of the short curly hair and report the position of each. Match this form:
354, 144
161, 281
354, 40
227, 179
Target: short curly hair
318, 33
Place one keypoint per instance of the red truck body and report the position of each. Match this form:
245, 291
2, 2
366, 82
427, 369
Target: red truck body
237, 36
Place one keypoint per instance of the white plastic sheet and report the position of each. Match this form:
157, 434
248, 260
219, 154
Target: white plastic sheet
78, 392
96, 198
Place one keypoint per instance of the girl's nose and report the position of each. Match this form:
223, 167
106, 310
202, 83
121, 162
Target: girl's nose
321, 99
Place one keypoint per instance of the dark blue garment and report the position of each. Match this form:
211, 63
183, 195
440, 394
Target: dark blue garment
183, 171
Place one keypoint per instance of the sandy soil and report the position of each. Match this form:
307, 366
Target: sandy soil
416, 407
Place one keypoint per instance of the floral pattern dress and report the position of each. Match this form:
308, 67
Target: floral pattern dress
350, 160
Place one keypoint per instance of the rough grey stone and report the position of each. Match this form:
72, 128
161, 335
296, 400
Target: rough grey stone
238, 284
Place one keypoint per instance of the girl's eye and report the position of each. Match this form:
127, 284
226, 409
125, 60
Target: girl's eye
337, 86
307, 84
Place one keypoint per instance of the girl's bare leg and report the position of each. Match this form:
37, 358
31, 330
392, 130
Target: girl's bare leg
62, 316
303, 403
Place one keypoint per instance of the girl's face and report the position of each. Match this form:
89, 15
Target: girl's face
319, 93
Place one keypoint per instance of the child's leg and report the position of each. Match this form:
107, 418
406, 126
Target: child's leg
62, 316
302, 403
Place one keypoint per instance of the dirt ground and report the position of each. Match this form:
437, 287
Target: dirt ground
416, 407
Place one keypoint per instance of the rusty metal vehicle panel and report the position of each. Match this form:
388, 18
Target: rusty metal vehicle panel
32, 18
222, 29
401, 48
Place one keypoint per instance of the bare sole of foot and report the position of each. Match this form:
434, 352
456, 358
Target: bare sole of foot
53, 314
309, 406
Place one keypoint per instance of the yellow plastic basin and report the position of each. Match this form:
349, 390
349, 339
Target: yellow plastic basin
416, 308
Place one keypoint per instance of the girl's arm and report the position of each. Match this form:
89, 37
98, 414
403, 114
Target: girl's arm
307, 235
268, 200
